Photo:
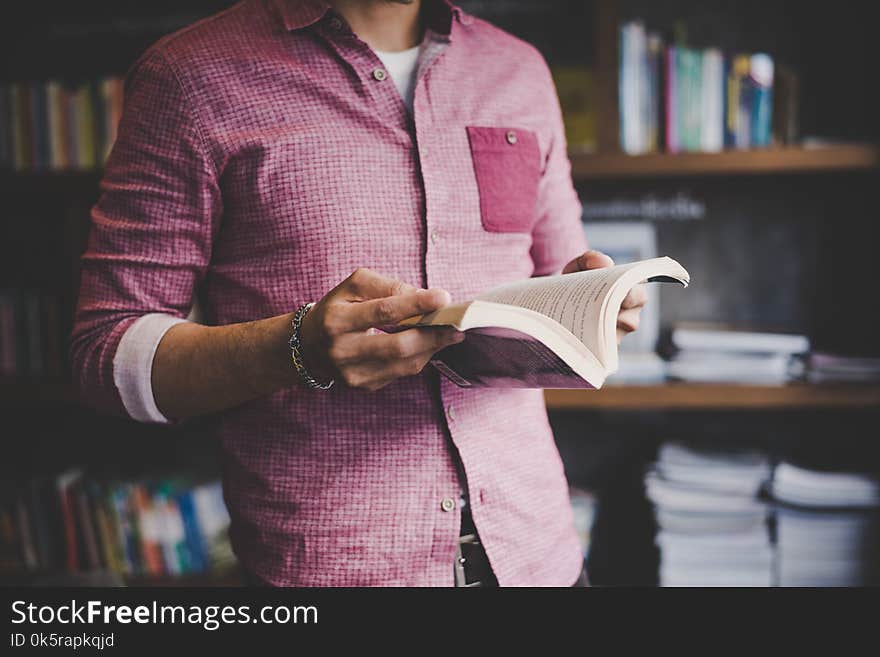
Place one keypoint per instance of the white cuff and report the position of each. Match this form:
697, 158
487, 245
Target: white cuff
133, 365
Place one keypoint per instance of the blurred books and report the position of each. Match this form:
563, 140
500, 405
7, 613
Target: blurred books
828, 368
731, 356
828, 527
32, 337
153, 527
576, 90
53, 126
696, 100
712, 525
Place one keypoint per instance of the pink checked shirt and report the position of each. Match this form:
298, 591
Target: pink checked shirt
263, 156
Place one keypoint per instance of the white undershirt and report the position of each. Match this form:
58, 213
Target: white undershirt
401, 66
133, 360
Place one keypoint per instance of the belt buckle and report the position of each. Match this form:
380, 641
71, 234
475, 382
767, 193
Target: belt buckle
460, 575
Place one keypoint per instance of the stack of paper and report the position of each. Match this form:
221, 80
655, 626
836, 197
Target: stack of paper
712, 524
828, 368
728, 356
828, 527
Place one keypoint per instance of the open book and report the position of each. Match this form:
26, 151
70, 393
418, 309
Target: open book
548, 332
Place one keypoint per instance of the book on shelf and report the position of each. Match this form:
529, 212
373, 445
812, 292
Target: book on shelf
694, 100
545, 332
576, 90
833, 368
712, 523
154, 527
828, 526
54, 126
31, 336
715, 355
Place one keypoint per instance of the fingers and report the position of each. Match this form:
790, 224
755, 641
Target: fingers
628, 320
388, 310
376, 360
637, 298
594, 260
386, 348
366, 284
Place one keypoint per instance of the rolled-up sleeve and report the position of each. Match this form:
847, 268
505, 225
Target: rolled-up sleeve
151, 229
558, 234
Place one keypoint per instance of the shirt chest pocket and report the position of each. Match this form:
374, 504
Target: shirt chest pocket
507, 165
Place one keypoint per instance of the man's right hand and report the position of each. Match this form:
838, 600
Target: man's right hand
338, 343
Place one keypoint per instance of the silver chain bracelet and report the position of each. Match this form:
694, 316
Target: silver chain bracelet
295, 345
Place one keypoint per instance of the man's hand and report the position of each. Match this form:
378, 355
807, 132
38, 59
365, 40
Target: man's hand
338, 341
630, 309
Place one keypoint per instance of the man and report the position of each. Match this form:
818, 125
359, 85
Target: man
380, 158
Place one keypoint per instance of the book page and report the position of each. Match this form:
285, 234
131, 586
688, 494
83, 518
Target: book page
574, 300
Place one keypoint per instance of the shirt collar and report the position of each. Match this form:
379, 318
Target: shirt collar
298, 14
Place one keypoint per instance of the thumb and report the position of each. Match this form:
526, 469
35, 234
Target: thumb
590, 260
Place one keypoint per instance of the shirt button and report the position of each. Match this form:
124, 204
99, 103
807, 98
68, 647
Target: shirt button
379, 74
448, 504
511, 137
451, 412
435, 237
335, 24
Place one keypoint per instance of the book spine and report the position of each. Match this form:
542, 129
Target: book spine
671, 95
33, 336
71, 558
87, 527
712, 128
30, 557
19, 122
99, 120
761, 79
5, 132
192, 532
54, 130
84, 125
7, 336
150, 534
127, 529
655, 65
740, 102
40, 126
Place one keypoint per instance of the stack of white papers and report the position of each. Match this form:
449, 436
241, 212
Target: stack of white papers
828, 368
728, 356
828, 527
712, 525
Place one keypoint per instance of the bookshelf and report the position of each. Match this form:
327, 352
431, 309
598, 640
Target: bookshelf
58, 202
774, 161
682, 396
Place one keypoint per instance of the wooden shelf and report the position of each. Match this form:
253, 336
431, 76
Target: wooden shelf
793, 160
696, 397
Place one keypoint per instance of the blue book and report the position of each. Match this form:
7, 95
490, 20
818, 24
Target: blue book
761, 83
197, 552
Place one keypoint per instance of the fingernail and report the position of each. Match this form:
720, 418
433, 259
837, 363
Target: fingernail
446, 298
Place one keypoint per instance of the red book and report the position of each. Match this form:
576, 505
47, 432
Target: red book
149, 531
68, 504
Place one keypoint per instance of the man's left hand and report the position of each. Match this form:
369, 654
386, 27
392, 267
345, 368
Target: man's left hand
631, 308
